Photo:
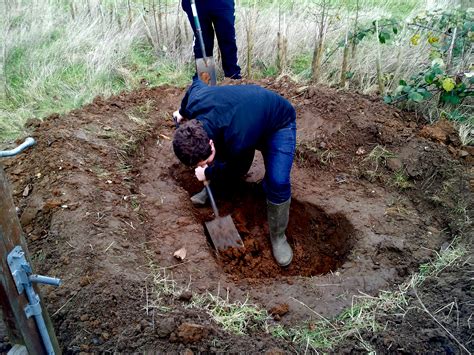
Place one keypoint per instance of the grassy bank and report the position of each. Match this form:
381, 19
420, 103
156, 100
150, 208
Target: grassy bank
58, 55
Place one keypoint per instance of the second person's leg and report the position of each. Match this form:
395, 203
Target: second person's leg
224, 25
207, 29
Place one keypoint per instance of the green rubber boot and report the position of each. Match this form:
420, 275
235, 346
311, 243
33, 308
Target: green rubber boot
278, 215
200, 198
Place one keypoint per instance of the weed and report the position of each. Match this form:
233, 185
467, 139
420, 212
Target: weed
444, 259
371, 175
100, 171
327, 156
162, 286
236, 317
378, 156
400, 180
135, 203
39, 257
308, 155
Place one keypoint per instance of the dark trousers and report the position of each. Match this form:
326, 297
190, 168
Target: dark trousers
216, 16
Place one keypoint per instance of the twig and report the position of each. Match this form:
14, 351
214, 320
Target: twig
428, 28
146, 296
319, 315
105, 251
442, 326
130, 225
64, 305
378, 65
450, 51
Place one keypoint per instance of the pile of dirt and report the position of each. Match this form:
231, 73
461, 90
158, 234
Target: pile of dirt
105, 204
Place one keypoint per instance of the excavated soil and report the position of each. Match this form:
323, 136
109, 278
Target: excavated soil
104, 205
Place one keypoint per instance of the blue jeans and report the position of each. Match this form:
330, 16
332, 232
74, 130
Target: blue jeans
278, 155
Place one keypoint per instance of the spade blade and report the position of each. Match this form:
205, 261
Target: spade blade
206, 69
223, 233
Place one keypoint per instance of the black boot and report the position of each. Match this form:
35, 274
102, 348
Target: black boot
278, 215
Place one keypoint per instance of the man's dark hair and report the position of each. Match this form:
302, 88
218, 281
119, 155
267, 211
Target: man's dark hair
191, 143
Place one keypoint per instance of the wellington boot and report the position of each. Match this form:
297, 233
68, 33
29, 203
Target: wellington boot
200, 198
278, 215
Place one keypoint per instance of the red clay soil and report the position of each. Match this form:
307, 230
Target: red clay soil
105, 204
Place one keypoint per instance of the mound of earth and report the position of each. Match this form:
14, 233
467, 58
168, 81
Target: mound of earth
105, 204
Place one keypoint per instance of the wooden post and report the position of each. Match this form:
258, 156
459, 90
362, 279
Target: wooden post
20, 328
345, 59
378, 64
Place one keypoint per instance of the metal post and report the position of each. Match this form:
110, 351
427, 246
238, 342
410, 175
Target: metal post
21, 329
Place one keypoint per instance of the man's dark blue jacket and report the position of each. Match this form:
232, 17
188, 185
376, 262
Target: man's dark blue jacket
238, 118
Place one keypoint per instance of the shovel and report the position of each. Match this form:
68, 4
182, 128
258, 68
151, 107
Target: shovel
221, 230
206, 67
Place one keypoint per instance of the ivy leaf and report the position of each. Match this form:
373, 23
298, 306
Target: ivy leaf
395, 30
448, 84
415, 96
415, 39
437, 62
450, 98
387, 99
434, 54
429, 77
427, 95
360, 36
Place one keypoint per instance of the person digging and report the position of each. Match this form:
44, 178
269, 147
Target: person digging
223, 127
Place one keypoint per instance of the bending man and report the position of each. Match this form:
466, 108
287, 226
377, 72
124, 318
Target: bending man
226, 125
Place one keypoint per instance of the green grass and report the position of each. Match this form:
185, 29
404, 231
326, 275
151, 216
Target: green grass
37, 89
146, 67
301, 65
400, 180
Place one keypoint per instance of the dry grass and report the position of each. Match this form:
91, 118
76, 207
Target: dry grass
56, 55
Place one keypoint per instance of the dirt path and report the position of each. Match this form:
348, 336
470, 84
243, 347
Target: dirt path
374, 195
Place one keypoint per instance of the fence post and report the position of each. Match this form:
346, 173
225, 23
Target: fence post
21, 330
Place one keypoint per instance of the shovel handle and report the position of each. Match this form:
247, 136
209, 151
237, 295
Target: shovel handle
198, 30
211, 197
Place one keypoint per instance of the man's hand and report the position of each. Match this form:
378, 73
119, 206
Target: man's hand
199, 172
177, 118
